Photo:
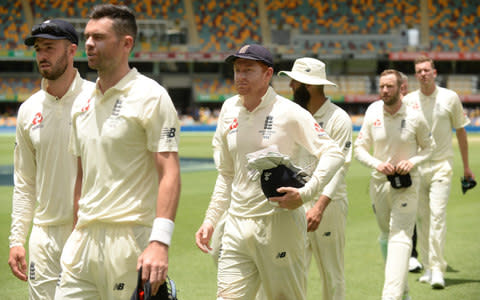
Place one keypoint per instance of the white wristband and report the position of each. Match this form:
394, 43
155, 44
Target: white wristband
162, 230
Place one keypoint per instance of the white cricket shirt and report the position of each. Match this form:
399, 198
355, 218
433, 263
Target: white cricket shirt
275, 121
393, 137
45, 171
338, 126
443, 112
115, 135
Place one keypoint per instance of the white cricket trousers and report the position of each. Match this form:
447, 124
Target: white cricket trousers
436, 179
270, 250
395, 211
99, 261
327, 245
45, 248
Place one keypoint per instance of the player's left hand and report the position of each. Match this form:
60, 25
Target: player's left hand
291, 199
154, 263
403, 167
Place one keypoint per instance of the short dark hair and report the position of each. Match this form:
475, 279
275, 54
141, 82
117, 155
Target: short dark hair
423, 58
394, 72
124, 22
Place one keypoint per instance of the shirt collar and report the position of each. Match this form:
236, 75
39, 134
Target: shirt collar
431, 96
323, 109
77, 80
266, 100
123, 84
401, 112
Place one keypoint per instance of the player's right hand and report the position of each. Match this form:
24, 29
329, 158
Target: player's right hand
17, 262
203, 236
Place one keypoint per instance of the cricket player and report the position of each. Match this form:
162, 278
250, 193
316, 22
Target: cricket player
443, 111
395, 132
327, 213
44, 169
413, 264
264, 240
126, 140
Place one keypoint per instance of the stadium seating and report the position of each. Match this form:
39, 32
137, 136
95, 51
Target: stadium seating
12, 26
17, 89
462, 84
212, 90
224, 25
349, 27
454, 26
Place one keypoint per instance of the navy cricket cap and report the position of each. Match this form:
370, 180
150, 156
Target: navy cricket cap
280, 176
54, 30
253, 52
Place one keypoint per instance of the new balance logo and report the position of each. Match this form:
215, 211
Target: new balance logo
328, 233
169, 132
281, 254
119, 286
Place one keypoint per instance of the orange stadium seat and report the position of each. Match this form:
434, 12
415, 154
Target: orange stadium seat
18, 89
454, 25
223, 25
226, 24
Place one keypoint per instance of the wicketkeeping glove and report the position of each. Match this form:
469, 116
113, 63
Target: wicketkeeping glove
167, 290
467, 184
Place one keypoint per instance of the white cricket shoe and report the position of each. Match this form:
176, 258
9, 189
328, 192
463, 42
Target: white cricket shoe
426, 277
414, 265
437, 280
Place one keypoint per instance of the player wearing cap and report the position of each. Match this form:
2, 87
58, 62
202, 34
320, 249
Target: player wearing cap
262, 243
44, 170
126, 141
327, 213
395, 132
443, 111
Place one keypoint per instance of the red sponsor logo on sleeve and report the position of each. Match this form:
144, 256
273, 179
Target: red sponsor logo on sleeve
37, 119
319, 128
234, 124
377, 123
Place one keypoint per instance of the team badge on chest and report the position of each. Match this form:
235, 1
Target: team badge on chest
267, 130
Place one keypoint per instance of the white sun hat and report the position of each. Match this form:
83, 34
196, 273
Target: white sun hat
309, 71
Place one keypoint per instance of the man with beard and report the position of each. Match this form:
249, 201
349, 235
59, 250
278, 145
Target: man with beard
327, 214
443, 111
401, 140
44, 170
264, 238
126, 140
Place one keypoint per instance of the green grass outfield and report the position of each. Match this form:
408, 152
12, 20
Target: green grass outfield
195, 274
